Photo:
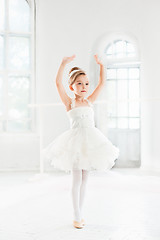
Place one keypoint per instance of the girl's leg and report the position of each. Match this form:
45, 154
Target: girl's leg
76, 183
85, 175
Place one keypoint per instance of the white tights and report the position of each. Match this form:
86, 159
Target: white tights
79, 181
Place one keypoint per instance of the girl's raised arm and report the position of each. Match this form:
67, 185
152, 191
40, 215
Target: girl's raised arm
101, 83
61, 90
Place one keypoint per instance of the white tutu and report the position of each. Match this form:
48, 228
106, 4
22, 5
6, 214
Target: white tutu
83, 146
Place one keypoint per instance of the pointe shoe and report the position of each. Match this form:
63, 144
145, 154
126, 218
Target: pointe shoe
83, 222
77, 224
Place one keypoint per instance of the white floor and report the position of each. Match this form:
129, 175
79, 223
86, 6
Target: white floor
122, 204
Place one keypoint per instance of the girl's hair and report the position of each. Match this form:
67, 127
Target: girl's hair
72, 77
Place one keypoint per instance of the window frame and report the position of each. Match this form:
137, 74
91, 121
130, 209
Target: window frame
128, 99
126, 62
6, 73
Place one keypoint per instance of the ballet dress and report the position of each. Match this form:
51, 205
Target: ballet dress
83, 146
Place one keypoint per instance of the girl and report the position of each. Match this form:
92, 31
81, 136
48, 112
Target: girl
83, 147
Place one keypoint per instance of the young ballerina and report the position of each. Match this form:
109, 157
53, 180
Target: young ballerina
83, 147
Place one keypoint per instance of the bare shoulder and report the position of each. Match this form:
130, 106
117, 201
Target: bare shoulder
90, 99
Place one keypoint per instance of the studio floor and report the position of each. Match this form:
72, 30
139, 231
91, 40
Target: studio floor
122, 204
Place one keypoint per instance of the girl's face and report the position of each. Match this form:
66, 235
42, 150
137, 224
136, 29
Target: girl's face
81, 85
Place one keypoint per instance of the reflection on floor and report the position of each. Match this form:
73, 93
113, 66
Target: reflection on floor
121, 204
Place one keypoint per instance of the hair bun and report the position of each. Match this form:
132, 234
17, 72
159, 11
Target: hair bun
73, 69
74, 73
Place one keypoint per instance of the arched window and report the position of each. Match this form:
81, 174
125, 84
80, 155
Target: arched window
123, 85
122, 90
120, 49
16, 65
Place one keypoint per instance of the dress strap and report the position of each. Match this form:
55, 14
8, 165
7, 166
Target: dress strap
72, 103
89, 102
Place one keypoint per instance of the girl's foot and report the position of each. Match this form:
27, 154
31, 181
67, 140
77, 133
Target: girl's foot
77, 224
83, 222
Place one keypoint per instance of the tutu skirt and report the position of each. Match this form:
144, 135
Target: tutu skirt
81, 148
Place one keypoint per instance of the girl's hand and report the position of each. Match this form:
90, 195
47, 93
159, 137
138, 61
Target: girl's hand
66, 60
97, 60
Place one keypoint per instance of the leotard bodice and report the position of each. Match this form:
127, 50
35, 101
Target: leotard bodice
82, 116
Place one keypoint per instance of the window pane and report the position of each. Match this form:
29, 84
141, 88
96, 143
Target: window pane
120, 47
134, 109
18, 126
111, 122
133, 123
122, 73
120, 55
133, 89
1, 52
122, 122
2, 12
19, 58
19, 16
111, 73
134, 73
111, 108
18, 91
122, 88
111, 97
122, 109
111, 90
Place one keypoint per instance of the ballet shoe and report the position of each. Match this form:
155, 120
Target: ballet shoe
77, 224
83, 222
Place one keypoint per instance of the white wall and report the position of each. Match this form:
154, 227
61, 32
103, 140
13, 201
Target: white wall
75, 27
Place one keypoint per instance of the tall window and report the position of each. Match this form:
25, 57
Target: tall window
16, 66
123, 75
123, 92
